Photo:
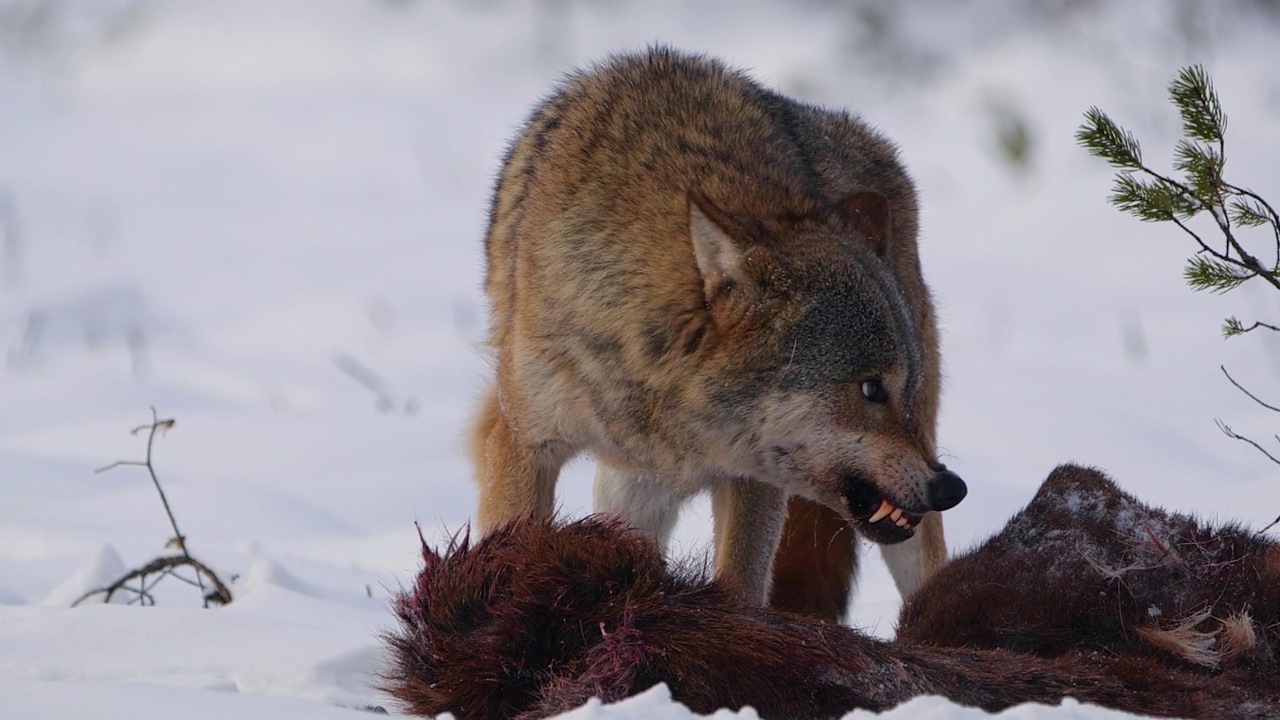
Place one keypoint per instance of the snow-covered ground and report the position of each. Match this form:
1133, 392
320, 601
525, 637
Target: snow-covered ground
264, 219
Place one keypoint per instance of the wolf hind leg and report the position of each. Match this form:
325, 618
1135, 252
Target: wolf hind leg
642, 502
911, 563
516, 476
748, 517
816, 563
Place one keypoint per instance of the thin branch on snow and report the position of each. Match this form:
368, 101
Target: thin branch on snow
158, 569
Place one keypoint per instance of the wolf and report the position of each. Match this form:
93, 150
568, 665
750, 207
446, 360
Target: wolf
711, 287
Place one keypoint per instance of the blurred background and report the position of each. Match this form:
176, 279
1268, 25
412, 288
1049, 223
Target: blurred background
265, 220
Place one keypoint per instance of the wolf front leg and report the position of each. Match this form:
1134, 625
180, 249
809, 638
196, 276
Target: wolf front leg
641, 502
516, 476
748, 517
912, 562
817, 560
816, 563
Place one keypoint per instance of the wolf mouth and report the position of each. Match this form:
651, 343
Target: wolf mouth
876, 516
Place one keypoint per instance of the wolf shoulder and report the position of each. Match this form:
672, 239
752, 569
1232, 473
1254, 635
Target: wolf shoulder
637, 130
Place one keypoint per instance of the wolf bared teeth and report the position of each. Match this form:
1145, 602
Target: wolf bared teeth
884, 509
902, 522
897, 515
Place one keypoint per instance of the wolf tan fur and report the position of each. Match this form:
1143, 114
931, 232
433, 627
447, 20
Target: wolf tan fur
711, 287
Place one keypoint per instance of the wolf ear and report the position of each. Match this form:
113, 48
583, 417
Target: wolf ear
718, 256
869, 211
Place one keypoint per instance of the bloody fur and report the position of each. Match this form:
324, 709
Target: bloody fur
539, 616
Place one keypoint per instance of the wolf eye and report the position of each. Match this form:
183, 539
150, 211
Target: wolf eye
873, 390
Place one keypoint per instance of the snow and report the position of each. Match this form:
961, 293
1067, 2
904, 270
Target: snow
656, 703
264, 220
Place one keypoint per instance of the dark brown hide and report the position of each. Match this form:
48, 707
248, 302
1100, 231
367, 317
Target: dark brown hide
1087, 569
538, 617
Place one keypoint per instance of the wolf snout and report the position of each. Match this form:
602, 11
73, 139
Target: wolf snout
946, 490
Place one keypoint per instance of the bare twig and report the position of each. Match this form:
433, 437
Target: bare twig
157, 425
1226, 430
161, 567
1246, 392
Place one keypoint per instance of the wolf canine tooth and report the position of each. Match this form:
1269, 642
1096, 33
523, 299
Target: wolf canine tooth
885, 509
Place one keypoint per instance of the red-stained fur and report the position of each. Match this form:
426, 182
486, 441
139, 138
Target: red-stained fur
539, 616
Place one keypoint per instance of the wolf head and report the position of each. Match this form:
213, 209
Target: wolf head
812, 361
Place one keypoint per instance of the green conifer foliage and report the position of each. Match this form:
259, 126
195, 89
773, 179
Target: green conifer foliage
1200, 157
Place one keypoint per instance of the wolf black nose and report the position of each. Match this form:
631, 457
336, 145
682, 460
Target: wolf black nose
946, 490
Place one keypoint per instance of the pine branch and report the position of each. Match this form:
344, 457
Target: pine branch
1256, 205
1105, 139
1233, 327
1202, 165
1213, 274
1247, 213
1200, 157
1158, 200
1202, 116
